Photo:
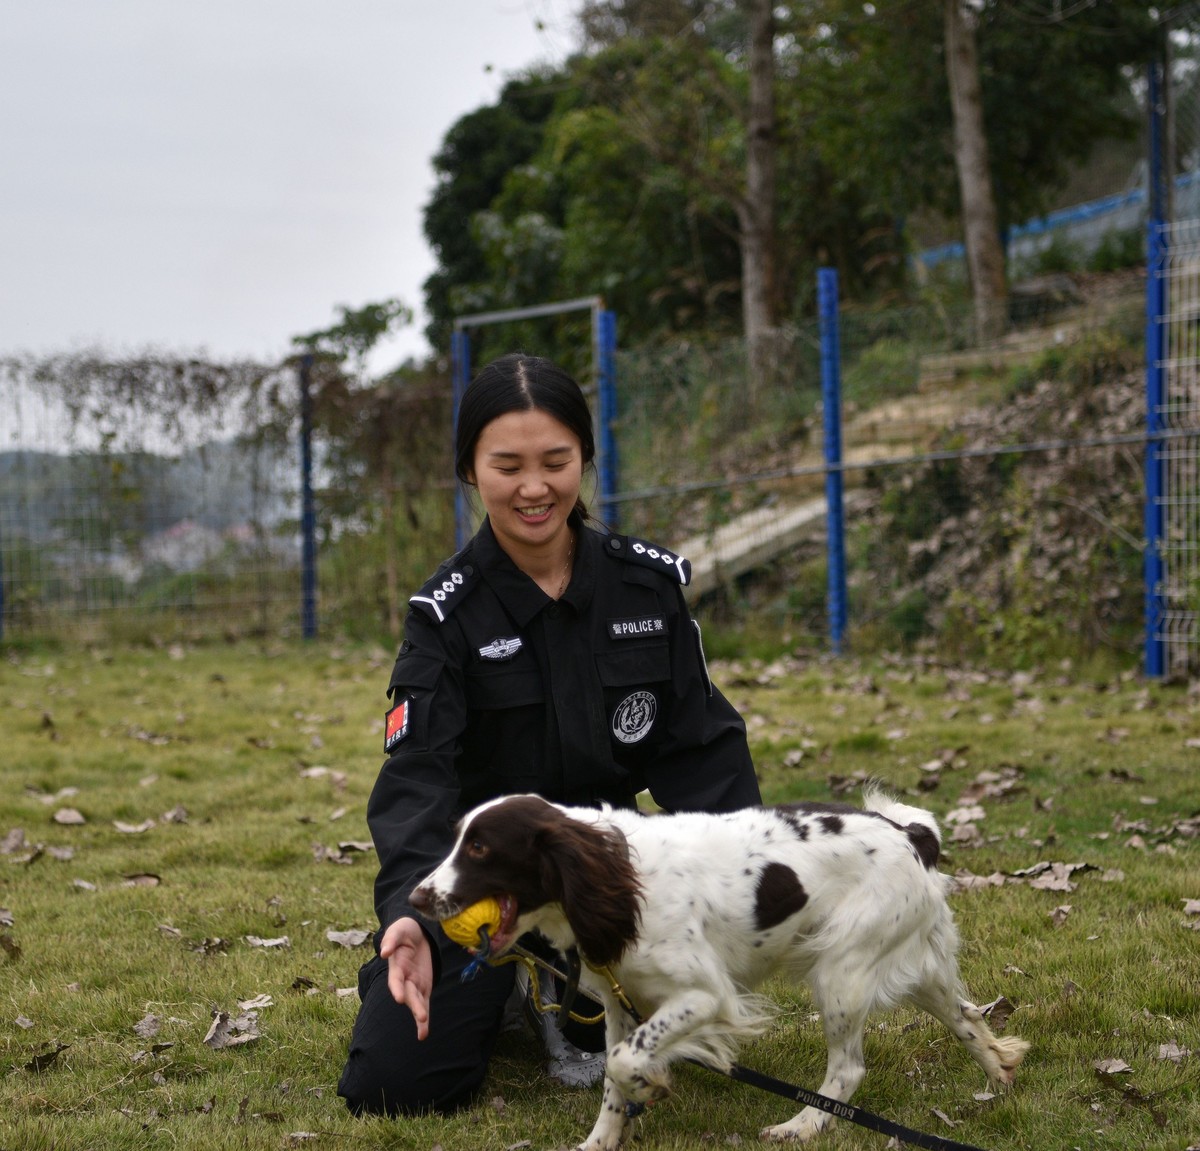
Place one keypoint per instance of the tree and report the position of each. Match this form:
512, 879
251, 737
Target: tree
703, 104
756, 208
478, 153
981, 229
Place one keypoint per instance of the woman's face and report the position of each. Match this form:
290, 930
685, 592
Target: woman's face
528, 467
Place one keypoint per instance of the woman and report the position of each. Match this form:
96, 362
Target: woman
544, 657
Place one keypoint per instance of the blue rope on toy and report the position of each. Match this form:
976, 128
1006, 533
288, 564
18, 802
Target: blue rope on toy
478, 959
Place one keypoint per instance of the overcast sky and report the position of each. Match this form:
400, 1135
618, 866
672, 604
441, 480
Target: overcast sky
218, 175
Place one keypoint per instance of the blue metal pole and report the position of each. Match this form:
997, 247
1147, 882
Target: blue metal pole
606, 323
1156, 300
831, 398
308, 515
460, 361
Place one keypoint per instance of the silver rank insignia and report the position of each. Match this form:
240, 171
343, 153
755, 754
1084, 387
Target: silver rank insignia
501, 649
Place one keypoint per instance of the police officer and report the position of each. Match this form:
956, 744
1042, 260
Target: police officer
544, 657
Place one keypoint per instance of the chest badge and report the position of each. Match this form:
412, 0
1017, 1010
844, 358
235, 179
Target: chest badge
634, 717
500, 650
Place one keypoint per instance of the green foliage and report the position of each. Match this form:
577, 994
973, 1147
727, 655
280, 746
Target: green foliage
918, 504
357, 331
888, 368
623, 173
1117, 250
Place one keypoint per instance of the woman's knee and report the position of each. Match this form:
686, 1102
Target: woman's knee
371, 1088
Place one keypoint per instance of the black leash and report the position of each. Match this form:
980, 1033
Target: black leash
736, 1072
845, 1111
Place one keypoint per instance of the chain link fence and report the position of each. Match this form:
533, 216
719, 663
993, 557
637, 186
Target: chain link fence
993, 495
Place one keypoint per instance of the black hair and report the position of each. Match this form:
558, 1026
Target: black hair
521, 383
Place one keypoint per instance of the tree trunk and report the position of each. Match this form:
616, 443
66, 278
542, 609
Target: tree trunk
756, 212
981, 229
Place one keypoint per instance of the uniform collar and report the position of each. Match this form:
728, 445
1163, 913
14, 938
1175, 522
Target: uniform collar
521, 597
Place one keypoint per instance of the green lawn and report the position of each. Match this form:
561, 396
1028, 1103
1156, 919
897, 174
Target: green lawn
220, 795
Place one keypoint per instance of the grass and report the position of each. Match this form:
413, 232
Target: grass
259, 756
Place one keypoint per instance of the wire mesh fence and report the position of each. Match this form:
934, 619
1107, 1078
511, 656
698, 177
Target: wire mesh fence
993, 494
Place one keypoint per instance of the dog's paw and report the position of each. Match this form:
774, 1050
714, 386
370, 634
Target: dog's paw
799, 1129
1008, 1052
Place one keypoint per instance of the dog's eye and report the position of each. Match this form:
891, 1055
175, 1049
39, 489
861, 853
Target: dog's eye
476, 849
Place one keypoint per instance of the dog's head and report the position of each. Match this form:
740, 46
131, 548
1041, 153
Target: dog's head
526, 854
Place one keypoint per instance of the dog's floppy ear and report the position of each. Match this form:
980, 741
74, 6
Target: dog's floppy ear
586, 869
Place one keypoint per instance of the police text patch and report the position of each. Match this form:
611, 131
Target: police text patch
396, 726
632, 628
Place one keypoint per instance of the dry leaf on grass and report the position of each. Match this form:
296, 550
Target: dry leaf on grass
68, 817
147, 1027
47, 1058
134, 828
13, 841
1059, 915
966, 881
257, 1003
6, 917
998, 1011
354, 937
142, 879
230, 1031
280, 941
1173, 1052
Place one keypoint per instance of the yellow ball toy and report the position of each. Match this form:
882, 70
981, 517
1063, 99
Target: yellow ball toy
464, 927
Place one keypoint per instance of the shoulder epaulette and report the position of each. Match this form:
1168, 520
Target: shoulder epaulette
650, 555
445, 591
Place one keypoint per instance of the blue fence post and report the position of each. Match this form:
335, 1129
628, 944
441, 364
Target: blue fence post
308, 514
831, 399
460, 367
606, 335
1156, 301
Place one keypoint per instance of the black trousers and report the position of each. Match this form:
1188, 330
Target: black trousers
390, 1072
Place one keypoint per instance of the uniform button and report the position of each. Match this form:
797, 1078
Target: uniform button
552, 611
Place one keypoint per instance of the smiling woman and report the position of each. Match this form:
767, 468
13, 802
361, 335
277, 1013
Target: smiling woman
550, 657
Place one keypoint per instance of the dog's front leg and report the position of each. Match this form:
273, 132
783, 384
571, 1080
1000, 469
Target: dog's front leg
613, 1122
639, 1065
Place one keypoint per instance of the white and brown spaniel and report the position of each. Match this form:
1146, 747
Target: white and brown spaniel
692, 911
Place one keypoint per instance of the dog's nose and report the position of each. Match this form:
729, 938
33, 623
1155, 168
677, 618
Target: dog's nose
421, 898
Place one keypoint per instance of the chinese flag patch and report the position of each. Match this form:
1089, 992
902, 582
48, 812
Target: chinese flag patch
396, 726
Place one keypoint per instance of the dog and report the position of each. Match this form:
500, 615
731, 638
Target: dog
688, 913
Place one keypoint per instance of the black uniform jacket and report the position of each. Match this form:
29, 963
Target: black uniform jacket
498, 689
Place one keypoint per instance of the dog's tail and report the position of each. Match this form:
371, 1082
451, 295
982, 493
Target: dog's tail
878, 801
